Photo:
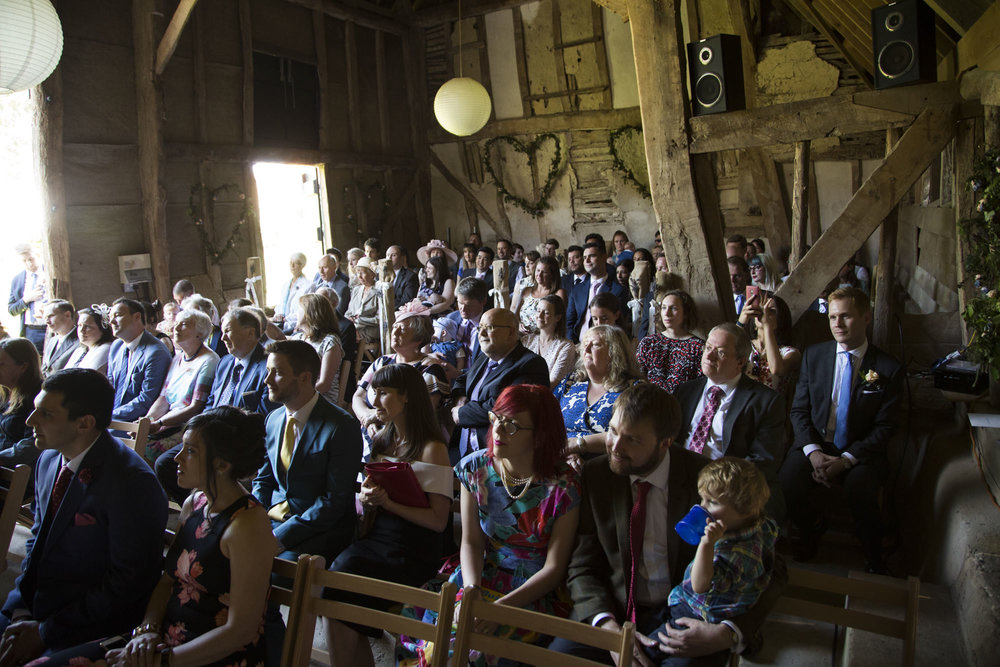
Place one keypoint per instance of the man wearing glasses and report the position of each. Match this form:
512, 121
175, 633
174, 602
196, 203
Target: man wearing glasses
503, 362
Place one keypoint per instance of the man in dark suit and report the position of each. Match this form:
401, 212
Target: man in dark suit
483, 269
313, 458
96, 548
504, 362
60, 318
843, 415
27, 296
598, 281
404, 280
575, 273
739, 278
328, 275
471, 299
239, 382
137, 363
744, 419
602, 572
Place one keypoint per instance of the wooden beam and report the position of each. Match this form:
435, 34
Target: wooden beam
150, 141
564, 122
836, 116
246, 42
806, 10
173, 34
980, 47
521, 57
323, 75
885, 271
415, 71
448, 11
470, 197
960, 15
48, 113
353, 86
354, 14
381, 92
198, 76
332, 159
657, 45
921, 143
601, 54
967, 137
800, 203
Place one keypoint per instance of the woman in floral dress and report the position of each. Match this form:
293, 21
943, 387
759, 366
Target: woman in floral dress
208, 608
673, 357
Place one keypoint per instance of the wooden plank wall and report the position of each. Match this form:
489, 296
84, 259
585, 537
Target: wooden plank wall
205, 122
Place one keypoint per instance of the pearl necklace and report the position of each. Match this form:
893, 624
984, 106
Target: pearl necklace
514, 481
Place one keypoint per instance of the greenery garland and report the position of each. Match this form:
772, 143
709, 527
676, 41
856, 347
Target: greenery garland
982, 232
194, 211
530, 150
619, 164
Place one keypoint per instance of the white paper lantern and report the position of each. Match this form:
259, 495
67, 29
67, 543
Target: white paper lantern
462, 106
31, 42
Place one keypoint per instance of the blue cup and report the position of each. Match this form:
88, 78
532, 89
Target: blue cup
692, 527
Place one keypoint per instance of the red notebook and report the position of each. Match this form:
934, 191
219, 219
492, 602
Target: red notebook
399, 481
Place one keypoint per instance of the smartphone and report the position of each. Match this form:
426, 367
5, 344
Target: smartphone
753, 292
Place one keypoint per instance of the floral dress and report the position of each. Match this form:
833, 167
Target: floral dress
583, 419
200, 598
529, 314
758, 369
670, 362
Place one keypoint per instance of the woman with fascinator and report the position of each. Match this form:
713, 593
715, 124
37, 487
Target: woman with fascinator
93, 327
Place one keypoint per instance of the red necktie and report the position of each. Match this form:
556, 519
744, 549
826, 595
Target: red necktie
636, 531
60, 488
700, 437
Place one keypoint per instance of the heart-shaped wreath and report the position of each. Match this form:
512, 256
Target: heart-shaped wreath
618, 141
530, 150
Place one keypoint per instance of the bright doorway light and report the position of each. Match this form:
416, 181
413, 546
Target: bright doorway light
20, 192
291, 199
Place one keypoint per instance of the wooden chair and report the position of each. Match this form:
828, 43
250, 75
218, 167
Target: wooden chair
136, 434
367, 353
467, 638
345, 369
292, 597
808, 594
312, 578
12, 486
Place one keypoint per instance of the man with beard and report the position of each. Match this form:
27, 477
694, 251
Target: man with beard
633, 496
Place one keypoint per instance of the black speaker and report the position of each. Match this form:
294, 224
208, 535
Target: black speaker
903, 44
716, 67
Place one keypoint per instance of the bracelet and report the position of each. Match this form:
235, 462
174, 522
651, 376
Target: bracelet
146, 628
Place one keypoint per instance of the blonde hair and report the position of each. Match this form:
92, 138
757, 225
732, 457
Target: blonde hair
622, 369
737, 483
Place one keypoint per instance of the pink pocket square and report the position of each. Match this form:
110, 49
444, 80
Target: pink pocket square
84, 520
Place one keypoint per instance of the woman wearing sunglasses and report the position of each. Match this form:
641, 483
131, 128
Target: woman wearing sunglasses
520, 506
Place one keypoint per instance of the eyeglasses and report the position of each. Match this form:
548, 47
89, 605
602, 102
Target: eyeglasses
490, 328
508, 425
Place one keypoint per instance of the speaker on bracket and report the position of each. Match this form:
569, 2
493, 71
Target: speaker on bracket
903, 44
716, 70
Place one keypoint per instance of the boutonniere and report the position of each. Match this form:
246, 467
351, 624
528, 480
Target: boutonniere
872, 382
85, 475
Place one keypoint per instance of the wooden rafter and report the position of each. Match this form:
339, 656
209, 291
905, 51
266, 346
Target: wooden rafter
503, 230
332, 159
448, 11
355, 14
809, 13
173, 34
921, 144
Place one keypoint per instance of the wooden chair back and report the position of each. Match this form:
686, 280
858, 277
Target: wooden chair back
291, 597
345, 369
136, 434
314, 578
807, 595
367, 352
13, 483
467, 638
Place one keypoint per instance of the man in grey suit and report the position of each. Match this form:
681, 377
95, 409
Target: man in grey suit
329, 275
60, 318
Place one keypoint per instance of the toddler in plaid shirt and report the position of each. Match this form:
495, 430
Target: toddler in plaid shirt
735, 557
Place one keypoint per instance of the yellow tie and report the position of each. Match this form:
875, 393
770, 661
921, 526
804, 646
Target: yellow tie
280, 511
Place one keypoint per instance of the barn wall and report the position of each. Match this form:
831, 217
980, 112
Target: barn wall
204, 141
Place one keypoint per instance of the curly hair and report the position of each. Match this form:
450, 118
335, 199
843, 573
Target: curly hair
622, 369
549, 428
735, 482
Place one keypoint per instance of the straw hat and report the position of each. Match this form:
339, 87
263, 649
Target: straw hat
367, 263
423, 254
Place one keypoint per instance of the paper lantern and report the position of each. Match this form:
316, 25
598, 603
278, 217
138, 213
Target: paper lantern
31, 42
462, 106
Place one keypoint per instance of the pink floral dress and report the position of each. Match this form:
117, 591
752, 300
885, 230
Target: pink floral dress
200, 599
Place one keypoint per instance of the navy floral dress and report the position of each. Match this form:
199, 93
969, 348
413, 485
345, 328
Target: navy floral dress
583, 419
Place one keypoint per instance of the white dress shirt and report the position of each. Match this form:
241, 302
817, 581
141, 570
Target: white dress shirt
714, 448
857, 355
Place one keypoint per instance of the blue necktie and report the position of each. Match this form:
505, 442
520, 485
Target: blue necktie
469, 442
843, 400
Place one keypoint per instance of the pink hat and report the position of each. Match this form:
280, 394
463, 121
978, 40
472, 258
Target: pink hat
423, 254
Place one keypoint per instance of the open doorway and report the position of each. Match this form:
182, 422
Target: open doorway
293, 218
20, 192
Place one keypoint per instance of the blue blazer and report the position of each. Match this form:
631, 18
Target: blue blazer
15, 304
576, 310
136, 392
91, 567
319, 483
250, 393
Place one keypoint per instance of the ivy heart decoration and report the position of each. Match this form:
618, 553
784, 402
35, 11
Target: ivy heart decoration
622, 143
530, 150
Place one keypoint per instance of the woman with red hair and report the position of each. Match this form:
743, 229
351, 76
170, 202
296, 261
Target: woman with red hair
520, 505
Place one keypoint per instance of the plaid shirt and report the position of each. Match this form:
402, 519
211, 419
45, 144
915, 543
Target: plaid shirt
743, 563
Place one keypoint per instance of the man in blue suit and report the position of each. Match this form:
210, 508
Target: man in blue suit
239, 382
28, 296
137, 363
313, 458
96, 548
471, 299
329, 275
595, 261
